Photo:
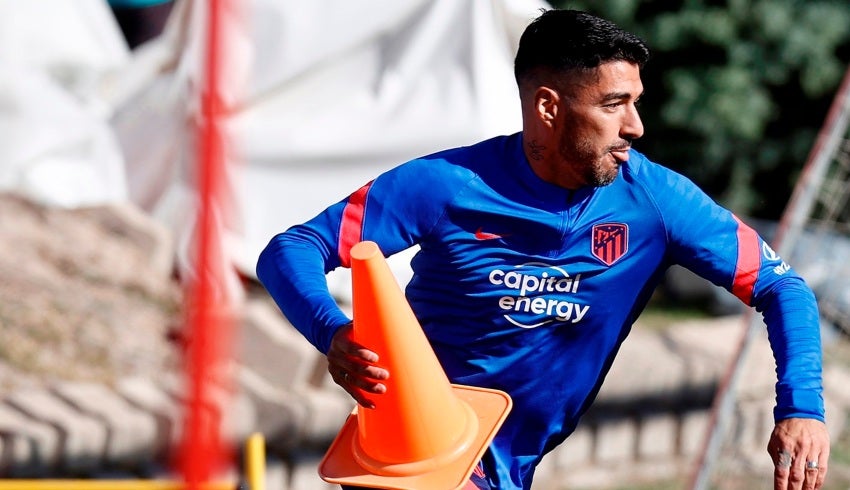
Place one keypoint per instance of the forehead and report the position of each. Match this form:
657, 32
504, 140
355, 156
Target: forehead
619, 77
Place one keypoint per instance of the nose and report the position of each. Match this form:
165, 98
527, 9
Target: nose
632, 127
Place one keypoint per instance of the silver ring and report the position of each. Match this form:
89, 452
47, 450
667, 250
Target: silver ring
811, 465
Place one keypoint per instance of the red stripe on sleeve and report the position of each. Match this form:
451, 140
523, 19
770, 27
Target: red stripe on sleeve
749, 262
351, 227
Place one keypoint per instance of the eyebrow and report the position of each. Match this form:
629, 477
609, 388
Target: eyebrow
619, 96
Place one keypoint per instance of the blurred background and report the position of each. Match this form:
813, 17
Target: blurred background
736, 90
99, 109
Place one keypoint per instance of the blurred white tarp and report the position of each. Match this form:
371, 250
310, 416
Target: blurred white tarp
323, 95
57, 145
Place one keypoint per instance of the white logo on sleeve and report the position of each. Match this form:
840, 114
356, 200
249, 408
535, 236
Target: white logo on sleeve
772, 256
768, 252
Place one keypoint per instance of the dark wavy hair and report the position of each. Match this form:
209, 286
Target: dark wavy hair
561, 41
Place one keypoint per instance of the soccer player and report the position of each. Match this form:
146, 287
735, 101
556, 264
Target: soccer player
538, 250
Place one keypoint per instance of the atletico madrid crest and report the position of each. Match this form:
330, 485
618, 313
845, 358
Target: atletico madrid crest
610, 242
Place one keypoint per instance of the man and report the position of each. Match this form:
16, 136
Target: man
539, 250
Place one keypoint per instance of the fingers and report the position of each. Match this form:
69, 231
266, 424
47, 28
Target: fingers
812, 470
807, 474
816, 471
781, 469
352, 373
358, 386
794, 473
353, 367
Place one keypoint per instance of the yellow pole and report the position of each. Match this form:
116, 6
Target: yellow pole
255, 462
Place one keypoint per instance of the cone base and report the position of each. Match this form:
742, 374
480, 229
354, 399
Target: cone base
491, 406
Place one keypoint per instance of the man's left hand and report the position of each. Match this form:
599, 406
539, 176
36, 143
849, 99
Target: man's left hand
800, 452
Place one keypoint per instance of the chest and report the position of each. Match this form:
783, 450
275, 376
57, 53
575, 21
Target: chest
590, 233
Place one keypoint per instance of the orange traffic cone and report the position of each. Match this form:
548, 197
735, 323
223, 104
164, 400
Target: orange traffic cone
424, 432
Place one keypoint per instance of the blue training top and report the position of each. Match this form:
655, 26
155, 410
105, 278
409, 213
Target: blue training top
530, 288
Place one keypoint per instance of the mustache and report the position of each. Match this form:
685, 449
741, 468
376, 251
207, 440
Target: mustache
622, 145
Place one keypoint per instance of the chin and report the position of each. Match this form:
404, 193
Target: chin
606, 179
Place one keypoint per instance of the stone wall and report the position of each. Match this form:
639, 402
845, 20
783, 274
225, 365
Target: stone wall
647, 424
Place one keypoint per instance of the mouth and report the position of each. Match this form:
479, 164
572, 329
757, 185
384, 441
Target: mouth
620, 154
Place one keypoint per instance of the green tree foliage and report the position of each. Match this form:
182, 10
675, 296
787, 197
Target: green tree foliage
736, 90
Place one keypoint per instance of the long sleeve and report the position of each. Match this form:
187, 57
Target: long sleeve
714, 243
791, 315
395, 211
292, 268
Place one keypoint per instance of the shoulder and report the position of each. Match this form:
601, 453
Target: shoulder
675, 197
469, 156
452, 167
648, 172
660, 183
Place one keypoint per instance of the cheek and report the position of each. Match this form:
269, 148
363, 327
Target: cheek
597, 132
588, 137
607, 130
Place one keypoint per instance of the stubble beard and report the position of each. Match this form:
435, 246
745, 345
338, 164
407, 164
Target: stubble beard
589, 163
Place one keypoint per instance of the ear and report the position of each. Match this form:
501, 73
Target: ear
546, 102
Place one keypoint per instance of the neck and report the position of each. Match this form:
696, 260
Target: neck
546, 163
